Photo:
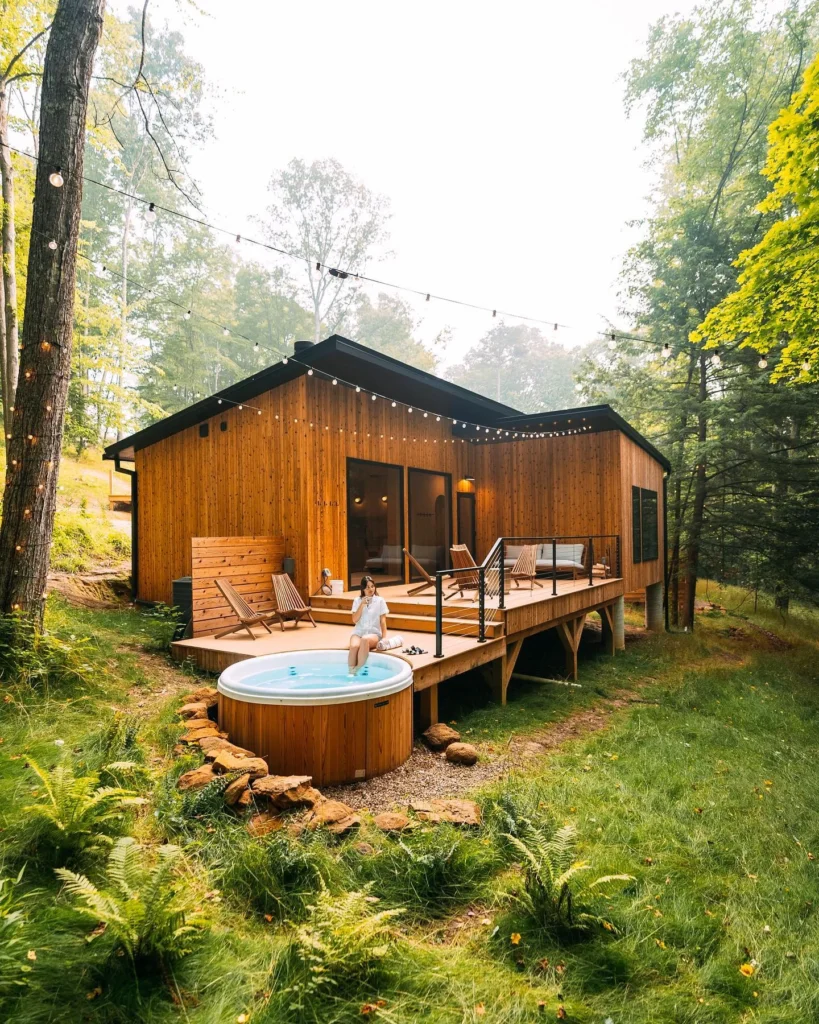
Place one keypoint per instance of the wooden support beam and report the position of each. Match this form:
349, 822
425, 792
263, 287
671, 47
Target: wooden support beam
570, 633
498, 673
429, 707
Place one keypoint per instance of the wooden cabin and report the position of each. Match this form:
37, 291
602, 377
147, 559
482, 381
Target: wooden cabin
349, 456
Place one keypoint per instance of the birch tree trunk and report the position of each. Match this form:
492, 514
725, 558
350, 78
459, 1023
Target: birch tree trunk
29, 498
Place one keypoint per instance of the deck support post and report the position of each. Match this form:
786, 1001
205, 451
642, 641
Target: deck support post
498, 673
654, 608
570, 633
607, 624
618, 615
429, 707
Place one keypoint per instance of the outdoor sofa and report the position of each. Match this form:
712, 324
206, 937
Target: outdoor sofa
570, 558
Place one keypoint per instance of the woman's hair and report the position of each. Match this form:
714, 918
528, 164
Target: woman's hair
364, 581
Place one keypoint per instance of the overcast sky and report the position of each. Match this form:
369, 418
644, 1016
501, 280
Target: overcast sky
496, 130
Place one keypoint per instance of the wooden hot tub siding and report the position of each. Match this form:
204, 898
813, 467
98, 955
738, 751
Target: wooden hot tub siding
332, 742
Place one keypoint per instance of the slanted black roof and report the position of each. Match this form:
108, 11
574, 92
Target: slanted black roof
335, 357
593, 417
373, 371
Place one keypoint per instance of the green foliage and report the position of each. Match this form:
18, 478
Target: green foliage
343, 943
775, 303
142, 905
74, 815
13, 899
81, 541
556, 891
430, 871
42, 659
163, 622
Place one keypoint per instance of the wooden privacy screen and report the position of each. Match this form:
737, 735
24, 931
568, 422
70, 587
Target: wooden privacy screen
247, 562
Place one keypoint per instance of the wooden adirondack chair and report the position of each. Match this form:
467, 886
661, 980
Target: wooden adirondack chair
429, 581
525, 567
244, 613
289, 604
462, 559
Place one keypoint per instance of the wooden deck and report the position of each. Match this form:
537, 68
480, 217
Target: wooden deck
526, 613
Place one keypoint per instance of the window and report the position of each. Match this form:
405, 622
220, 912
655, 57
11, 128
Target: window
644, 525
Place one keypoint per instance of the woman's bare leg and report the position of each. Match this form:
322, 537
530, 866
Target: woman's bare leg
352, 657
368, 643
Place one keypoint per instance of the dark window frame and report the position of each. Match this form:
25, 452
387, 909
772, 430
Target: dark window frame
645, 524
448, 477
402, 523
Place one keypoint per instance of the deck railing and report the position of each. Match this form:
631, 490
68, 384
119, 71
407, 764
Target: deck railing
602, 549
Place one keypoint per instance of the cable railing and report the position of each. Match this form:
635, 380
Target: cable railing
599, 558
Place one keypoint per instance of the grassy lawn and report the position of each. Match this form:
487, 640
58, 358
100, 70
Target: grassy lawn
701, 784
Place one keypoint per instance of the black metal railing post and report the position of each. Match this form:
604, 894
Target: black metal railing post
439, 615
482, 604
501, 569
554, 566
617, 554
591, 561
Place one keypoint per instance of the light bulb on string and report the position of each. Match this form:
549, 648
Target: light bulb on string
150, 213
310, 372
226, 332
256, 347
806, 366
394, 404
612, 342
52, 244
763, 363
374, 397
56, 178
335, 382
666, 351
285, 361
410, 409
187, 315
357, 390
716, 359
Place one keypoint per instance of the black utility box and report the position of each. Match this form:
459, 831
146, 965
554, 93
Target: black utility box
182, 600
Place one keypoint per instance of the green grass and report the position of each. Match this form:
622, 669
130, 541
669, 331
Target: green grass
703, 789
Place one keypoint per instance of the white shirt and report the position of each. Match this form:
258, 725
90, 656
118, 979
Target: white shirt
370, 621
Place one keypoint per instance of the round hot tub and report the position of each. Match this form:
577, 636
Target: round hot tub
305, 714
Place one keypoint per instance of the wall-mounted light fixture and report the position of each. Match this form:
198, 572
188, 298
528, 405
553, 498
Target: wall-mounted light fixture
384, 498
357, 500
469, 479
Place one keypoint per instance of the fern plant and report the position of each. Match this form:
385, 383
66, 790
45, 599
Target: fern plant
557, 892
343, 941
141, 906
75, 814
13, 968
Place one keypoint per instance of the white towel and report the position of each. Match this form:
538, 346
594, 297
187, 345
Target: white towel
390, 644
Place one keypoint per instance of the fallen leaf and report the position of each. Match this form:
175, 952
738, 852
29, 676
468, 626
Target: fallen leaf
747, 970
561, 1012
31, 955
93, 993
514, 938
660, 943
268, 918
543, 964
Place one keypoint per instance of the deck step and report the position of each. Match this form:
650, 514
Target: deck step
414, 623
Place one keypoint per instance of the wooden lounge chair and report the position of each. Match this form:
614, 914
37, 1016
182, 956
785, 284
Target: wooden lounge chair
242, 610
289, 604
462, 559
525, 568
429, 581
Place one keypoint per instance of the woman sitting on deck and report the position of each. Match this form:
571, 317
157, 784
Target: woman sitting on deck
370, 620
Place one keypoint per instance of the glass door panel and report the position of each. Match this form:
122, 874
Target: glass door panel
430, 525
375, 522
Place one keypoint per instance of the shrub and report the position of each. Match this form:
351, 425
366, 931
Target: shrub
430, 870
556, 892
75, 814
162, 622
81, 541
143, 910
343, 943
13, 968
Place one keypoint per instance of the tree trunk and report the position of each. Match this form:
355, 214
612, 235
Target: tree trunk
698, 510
10, 332
29, 498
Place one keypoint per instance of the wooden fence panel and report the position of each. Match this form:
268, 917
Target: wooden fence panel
247, 562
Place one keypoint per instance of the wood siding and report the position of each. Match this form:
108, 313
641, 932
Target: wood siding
284, 473
247, 562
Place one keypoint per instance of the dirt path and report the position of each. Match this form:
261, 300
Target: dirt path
427, 774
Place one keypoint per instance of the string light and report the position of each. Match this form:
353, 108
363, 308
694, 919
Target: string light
806, 366
666, 351
716, 359
226, 332
187, 315
56, 178
150, 213
256, 347
52, 245
763, 363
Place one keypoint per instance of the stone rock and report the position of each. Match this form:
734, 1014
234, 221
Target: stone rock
439, 735
212, 746
244, 801
364, 849
461, 753
194, 735
226, 762
392, 821
264, 823
207, 695
459, 812
196, 779
234, 791
199, 725
285, 791
195, 710
333, 815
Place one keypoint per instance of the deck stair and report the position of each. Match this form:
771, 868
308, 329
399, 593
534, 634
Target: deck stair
411, 614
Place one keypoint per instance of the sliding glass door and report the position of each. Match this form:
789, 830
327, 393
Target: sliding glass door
375, 522
430, 518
